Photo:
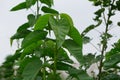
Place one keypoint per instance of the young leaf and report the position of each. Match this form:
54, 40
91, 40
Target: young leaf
74, 49
19, 6
61, 29
49, 10
91, 27
31, 19
42, 22
99, 12
31, 69
33, 37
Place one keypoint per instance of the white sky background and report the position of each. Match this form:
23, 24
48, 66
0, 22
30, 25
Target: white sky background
80, 10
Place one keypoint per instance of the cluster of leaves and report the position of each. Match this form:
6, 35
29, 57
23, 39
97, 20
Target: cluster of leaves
42, 56
7, 68
109, 60
47, 39
113, 57
5, 71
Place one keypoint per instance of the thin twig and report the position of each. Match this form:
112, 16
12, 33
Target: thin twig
105, 43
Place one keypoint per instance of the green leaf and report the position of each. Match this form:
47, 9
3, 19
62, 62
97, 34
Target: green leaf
33, 37
86, 39
99, 12
107, 3
23, 27
114, 50
89, 59
19, 6
73, 32
112, 61
30, 49
84, 76
75, 35
118, 23
23, 62
31, 69
29, 3
60, 28
91, 27
74, 49
38, 78
31, 19
52, 77
12, 58
111, 77
47, 2
97, 3
118, 5
63, 66
79, 74
48, 49
22, 32
19, 35
63, 56
67, 18
110, 22
49, 10
42, 22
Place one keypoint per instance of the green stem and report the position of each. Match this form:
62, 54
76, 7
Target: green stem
37, 8
104, 46
103, 50
55, 57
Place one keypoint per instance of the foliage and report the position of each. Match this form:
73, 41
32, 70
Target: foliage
49, 39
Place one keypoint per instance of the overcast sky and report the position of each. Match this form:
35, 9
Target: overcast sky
80, 10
